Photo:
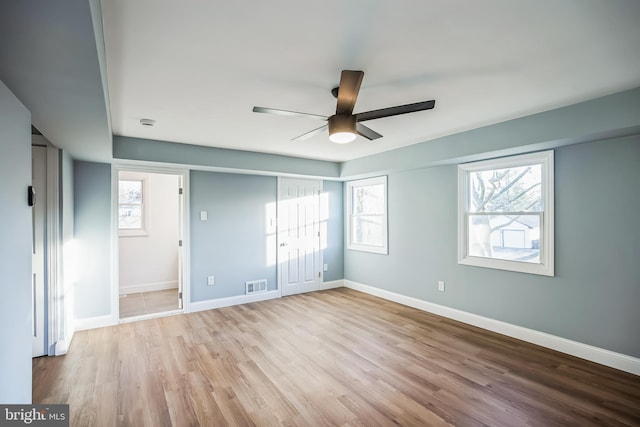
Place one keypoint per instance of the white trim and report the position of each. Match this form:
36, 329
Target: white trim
184, 236
148, 287
115, 236
333, 284
55, 297
384, 249
277, 231
94, 322
184, 232
602, 356
150, 316
60, 347
231, 301
546, 265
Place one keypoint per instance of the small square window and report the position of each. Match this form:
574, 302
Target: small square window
131, 207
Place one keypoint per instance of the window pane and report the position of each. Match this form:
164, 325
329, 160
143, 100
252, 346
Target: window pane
368, 199
517, 189
515, 238
130, 192
130, 217
367, 230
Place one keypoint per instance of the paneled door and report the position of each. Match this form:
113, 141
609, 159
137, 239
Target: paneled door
38, 212
299, 251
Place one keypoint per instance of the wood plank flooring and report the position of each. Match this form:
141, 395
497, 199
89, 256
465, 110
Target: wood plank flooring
338, 358
141, 303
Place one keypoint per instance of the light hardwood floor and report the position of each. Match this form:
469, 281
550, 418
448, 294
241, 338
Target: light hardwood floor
148, 302
336, 357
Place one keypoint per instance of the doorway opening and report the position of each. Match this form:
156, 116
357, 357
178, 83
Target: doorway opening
150, 223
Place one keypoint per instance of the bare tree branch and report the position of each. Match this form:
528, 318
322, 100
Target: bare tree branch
522, 193
503, 190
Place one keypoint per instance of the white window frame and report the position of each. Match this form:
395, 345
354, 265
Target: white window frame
546, 265
351, 185
142, 231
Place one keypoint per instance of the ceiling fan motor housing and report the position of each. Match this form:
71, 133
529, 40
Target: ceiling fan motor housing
339, 123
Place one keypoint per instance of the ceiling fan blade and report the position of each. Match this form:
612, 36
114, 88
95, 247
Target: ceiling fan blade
288, 113
368, 133
311, 133
394, 111
350, 82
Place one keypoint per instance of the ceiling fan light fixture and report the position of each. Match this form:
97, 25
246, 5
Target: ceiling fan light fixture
342, 137
342, 129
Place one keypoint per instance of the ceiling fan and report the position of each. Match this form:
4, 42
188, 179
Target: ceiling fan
344, 125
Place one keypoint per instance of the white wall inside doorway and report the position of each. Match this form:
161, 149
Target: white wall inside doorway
150, 262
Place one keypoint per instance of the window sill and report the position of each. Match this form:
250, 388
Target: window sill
370, 249
133, 233
499, 264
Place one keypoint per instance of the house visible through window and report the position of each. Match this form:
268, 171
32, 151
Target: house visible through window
506, 213
131, 207
367, 215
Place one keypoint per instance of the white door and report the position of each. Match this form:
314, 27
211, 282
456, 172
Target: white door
299, 251
38, 215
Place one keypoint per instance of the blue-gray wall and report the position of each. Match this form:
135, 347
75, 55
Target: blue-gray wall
233, 243
238, 243
92, 235
594, 296
67, 226
237, 160
15, 250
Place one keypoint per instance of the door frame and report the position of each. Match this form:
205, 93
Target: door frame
39, 259
59, 325
183, 232
279, 235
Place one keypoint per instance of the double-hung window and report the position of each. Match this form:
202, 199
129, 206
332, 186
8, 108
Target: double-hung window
131, 207
367, 215
505, 213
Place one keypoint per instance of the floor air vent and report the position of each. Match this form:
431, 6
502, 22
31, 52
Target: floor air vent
256, 286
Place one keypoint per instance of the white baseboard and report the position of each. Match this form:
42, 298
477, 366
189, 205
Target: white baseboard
94, 322
333, 284
148, 287
60, 348
229, 301
150, 316
599, 355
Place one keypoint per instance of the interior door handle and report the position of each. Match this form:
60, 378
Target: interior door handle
283, 244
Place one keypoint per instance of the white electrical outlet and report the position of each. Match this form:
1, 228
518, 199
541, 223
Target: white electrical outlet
211, 280
441, 285
203, 215
326, 267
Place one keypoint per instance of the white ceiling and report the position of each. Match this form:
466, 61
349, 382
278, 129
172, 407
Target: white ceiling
197, 67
